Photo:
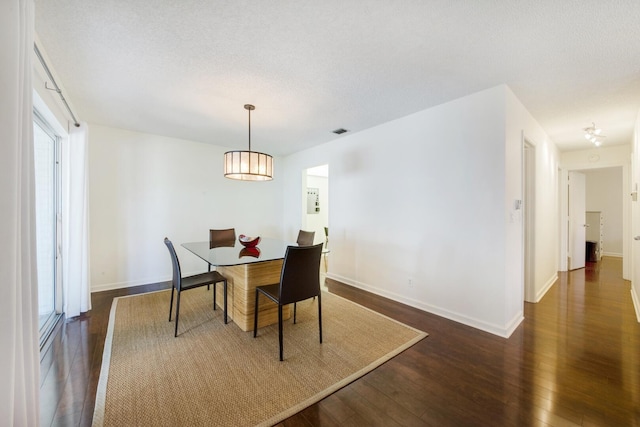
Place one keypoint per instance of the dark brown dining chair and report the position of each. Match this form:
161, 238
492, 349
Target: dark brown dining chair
305, 238
224, 237
299, 280
180, 284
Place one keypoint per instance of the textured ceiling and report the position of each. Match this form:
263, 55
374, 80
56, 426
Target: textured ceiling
185, 68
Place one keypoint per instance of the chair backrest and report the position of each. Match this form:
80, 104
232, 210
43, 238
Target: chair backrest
300, 277
225, 237
305, 238
177, 275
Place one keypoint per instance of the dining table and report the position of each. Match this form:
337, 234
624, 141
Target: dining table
245, 268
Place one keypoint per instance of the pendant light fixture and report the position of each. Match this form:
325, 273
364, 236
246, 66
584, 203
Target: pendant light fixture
248, 165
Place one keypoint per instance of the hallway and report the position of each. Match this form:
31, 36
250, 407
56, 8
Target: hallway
584, 341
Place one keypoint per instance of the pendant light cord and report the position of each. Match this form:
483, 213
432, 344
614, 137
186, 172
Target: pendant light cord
249, 107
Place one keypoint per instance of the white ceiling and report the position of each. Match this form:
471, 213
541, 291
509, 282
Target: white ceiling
185, 68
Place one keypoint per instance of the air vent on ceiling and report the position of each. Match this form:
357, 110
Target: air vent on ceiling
340, 131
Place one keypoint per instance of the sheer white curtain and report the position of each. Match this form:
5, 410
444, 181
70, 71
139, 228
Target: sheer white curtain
75, 245
19, 355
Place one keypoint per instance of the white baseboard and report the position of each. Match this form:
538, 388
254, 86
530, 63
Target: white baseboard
130, 284
503, 331
612, 254
513, 324
121, 285
546, 287
636, 302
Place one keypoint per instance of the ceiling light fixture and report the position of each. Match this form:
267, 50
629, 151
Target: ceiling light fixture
248, 165
594, 134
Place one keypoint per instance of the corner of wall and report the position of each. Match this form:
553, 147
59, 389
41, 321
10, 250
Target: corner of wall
543, 291
513, 324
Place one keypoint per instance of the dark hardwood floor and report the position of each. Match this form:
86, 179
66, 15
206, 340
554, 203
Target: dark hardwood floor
575, 360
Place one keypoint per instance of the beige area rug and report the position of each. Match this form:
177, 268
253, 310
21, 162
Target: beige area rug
216, 374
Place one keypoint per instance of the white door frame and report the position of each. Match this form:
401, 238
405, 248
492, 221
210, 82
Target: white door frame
528, 196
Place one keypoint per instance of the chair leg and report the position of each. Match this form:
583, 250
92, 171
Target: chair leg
294, 313
171, 303
209, 286
177, 314
280, 330
224, 288
214, 294
255, 316
320, 316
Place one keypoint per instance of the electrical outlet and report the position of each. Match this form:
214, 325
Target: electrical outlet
410, 282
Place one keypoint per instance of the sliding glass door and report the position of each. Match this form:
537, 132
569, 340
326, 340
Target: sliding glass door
47, 184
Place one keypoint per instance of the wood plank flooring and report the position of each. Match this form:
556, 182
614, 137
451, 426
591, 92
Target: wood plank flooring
574, 361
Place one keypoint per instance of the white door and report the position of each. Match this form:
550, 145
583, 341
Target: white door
577, 220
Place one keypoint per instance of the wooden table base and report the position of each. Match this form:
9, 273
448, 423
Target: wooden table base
241, 284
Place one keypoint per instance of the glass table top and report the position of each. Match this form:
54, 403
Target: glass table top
267, 250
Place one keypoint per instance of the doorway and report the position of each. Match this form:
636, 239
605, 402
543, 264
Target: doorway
48, 194
529, 220
315, 197
605, 188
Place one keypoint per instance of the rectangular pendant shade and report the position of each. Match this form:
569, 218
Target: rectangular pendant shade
248, 166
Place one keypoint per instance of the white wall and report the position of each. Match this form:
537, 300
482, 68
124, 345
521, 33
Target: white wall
145, 187
521, 125
604, 194
428, 198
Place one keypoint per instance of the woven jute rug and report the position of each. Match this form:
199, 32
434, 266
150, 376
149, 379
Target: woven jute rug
216, 374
